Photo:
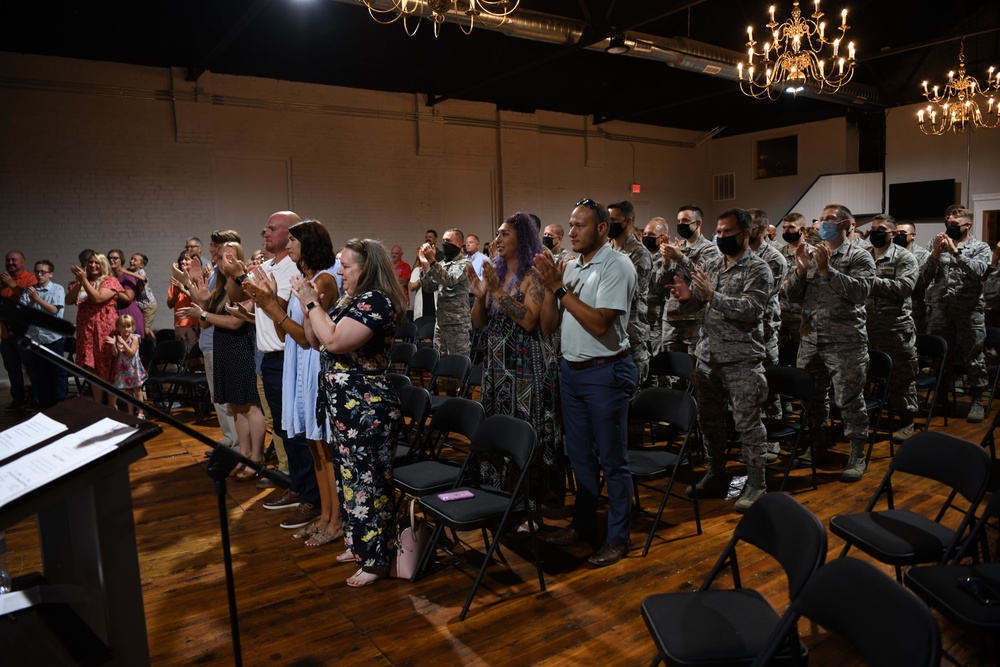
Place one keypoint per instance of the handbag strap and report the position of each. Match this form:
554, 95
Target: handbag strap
413, 514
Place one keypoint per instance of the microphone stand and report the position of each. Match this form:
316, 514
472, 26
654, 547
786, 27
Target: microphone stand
221, 462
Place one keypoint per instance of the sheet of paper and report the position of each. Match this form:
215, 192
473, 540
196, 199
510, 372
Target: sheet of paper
28, 434
60, 457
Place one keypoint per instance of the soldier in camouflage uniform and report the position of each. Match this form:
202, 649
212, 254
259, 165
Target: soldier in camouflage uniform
680, 259
732, 293
552, 238
991, 290
620, 232
793, 231
447, 277
906, 236
890, 322
653, 235
953, 275
833, 283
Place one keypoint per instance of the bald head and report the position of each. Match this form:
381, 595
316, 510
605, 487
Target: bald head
276, 232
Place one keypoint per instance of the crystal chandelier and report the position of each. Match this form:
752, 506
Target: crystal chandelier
794, 59
958, 106
491, 13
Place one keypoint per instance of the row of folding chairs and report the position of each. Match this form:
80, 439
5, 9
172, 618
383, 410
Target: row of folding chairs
886, 623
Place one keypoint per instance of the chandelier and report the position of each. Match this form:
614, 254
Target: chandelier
490, 13
794, 59
958, 106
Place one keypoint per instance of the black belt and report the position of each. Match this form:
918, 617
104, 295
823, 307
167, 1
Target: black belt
280, 354
590, 363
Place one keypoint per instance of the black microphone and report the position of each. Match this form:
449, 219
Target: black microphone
19, 317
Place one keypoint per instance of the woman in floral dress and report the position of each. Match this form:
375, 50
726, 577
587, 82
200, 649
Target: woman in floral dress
520, 378
356, 400
93, 293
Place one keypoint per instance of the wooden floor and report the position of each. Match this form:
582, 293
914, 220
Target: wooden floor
295, 609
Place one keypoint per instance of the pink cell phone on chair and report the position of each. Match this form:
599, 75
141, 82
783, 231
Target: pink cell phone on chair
456, 495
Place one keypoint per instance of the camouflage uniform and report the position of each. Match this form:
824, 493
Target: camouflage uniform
638, 327
730, 352
917, 298
890, 325
834, 341
772, 314
680, 329
454, 317
954, 294
564, 254
991, 297
654, 304
791, 312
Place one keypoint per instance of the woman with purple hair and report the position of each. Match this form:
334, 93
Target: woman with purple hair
520, 377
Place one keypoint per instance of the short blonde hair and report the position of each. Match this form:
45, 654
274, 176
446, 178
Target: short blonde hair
127, 320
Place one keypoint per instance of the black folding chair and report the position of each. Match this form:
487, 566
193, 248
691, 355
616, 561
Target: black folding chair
992, 343
854, 600
453, 367
877, 396
963, 593
799, 385
658, 407
415, 404
165, 363
418, 476
932, 351
490, 510
406, 332
732, 626
674, 364
399, 356
901, 537
422, 364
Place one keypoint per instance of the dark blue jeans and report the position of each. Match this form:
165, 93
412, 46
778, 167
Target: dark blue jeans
595, 422
12, 363
300, 460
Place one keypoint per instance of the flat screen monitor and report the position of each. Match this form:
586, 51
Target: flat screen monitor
921, 199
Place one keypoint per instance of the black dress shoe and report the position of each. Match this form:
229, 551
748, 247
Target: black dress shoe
609, 554
563, 537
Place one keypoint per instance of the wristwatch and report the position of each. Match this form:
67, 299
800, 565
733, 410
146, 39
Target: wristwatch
561, 292
240, 279
203, 316
311, 305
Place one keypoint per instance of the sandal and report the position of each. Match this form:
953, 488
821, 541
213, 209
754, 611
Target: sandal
308, 531
247, 474
321, 537
368, 575
346, 557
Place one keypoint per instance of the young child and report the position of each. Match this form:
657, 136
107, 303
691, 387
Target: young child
145, 297
128, 369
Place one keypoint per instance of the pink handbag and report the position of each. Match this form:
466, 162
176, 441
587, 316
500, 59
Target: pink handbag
413, 541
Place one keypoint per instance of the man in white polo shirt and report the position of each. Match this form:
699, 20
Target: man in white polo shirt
303, 495
598, 377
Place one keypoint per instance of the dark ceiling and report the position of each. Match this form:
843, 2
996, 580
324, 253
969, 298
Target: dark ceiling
332, 42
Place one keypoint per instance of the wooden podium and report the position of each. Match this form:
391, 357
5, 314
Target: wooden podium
89, 555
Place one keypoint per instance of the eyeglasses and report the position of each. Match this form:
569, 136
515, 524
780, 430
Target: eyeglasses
114, 257
601, 212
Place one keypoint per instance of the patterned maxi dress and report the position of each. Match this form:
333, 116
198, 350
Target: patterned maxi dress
363, 412
94, 323
521, 379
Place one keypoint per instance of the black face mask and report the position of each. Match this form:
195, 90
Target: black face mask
549, 242
615, 229
791, 237
879, 238
730, 245
450, 251
652, 243
685, 231
901, 240
954, 232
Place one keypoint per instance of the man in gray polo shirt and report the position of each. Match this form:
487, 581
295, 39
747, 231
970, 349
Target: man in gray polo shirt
598, 377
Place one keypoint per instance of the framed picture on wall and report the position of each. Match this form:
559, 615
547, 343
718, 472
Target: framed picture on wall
777, 156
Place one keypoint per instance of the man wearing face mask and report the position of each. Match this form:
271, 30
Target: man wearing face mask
906, 237
833, 283
732, 293
653, 235
620, 232
794, 234
552, 238
680, 259
954, 274
890, 322
447, 277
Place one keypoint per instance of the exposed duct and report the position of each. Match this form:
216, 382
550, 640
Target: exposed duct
679, 52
